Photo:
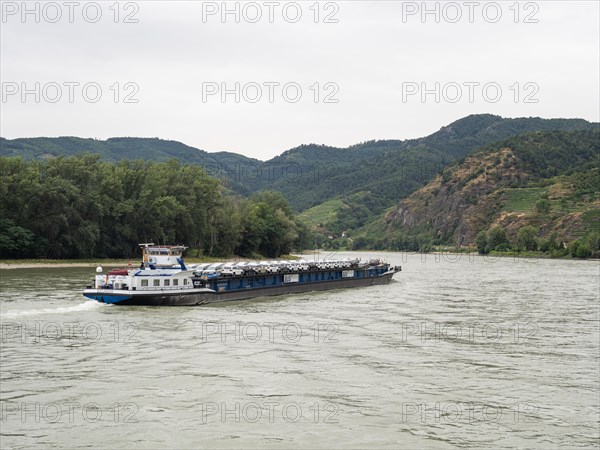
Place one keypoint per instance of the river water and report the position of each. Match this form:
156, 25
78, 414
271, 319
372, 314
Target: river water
472, 353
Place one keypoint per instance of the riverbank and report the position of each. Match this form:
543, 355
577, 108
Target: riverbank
91, 263
466, 251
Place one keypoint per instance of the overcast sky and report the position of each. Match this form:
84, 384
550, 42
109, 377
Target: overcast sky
158, 69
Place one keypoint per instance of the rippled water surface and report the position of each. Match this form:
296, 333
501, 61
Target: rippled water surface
467, 353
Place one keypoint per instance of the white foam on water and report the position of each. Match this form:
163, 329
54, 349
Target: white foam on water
86, 306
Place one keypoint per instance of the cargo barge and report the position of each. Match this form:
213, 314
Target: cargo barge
163, 279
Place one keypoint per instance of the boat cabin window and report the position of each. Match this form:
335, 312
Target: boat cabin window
158, 251
156, 282
167, 282
175, 282
185, 281
144, 283
164, 251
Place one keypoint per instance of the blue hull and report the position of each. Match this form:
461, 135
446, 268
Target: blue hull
108, 297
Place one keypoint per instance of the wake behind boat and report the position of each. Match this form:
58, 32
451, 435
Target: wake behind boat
163, 279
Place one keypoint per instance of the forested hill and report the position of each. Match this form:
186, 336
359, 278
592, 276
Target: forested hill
129, 148
381, 172
117, 149
530, 191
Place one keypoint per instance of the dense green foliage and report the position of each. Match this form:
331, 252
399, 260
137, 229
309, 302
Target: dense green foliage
78, 207
548, 154
527, 240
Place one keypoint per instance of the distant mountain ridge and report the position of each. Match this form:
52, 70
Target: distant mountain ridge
113, 149
117, 149
397, 168
372, 175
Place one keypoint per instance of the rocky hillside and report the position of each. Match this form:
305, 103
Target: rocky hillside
548, 180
